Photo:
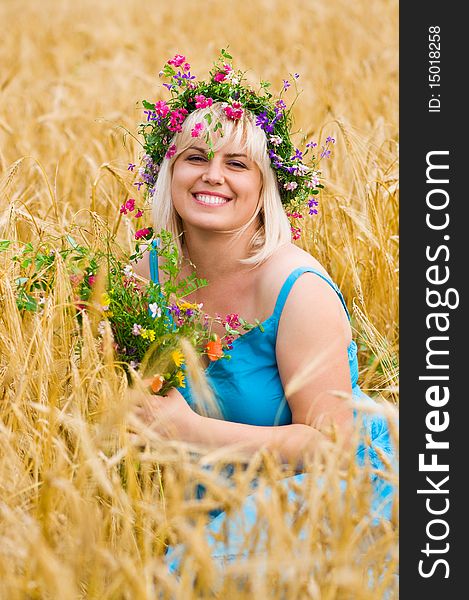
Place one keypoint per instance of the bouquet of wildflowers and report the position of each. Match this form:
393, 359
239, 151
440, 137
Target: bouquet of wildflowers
147, 320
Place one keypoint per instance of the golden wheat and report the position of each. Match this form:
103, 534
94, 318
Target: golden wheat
87, 503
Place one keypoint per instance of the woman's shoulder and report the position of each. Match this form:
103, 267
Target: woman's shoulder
285, 260
279, 266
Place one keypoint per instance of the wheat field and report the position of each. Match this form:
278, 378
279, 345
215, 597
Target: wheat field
87, 506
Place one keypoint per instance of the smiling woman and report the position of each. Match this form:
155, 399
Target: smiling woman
222, 196
227, 186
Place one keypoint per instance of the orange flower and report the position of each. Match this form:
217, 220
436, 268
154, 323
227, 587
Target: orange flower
156, 383
214, 349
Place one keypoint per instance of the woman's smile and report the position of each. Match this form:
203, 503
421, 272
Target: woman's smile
210, 198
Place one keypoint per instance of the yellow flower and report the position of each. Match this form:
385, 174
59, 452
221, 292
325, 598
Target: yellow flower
181, 379
105, 301
148, 334
187, 305
178, 357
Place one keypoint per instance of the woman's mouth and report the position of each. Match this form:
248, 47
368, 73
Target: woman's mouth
210, 199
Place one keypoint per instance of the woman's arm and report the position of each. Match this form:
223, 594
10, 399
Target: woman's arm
312, 340
172, 417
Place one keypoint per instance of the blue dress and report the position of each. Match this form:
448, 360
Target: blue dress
249, 390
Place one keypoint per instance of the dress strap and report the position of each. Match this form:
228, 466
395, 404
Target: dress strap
287, 286
154, 260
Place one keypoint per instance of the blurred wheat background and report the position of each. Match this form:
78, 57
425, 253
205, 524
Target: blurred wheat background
85, 509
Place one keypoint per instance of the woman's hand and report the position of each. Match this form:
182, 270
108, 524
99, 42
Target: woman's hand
170, 416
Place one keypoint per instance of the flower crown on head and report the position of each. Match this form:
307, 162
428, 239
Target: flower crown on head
298, 180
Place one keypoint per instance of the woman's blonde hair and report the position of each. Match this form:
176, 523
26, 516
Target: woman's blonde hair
274, 229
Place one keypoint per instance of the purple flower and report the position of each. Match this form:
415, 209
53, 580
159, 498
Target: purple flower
311, 203
263, 122
330, 140
131, 167
138, 184
297, 156
325, 153
311, 145
168, 85
174, 308
280, 104
296, 75
151, 115
286, 85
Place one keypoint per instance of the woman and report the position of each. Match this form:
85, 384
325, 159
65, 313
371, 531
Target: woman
221, 196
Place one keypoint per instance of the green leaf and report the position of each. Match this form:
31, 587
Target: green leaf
4, 245
26, 263
148, 105
168, 71
225, 54
208, 118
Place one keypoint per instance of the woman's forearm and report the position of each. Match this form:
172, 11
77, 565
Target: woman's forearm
291, 442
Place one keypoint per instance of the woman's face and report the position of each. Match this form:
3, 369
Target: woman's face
220, 194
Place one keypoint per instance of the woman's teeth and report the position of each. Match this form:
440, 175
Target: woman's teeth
210, 199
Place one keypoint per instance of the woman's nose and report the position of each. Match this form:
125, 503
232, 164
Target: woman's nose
213, 174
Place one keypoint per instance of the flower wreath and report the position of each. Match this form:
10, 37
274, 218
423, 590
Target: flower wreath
298, 182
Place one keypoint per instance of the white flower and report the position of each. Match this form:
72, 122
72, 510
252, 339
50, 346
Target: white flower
275, 140
291, 185
136, 329
314, 181
128, 271
101, 327
301, 169
155, 310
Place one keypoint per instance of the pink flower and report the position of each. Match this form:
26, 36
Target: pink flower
161, 108
234, 111
296, 231
171, 151
91, 280
128, 206
197, 129
186, 67
291, 185
232, 320
138, 214
176, 119
136, 329
221, 75
142, 233
177, 60
202, 102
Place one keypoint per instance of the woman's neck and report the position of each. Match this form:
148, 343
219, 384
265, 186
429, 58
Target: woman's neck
216, 255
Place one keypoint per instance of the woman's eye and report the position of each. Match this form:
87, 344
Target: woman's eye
235, 163
196, 158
